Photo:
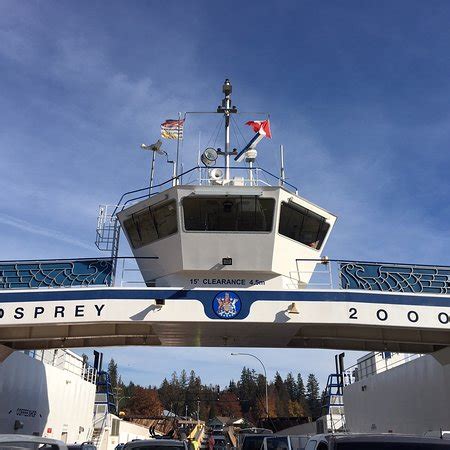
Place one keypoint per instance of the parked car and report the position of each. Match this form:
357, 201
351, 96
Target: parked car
82, 446
389, 441
284, 442
156, 444
22, 441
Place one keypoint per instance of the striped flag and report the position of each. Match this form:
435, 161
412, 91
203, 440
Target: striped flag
172, 129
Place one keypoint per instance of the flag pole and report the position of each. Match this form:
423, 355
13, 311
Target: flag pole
178, 148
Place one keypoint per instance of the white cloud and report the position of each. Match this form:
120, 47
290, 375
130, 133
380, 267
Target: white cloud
28, 227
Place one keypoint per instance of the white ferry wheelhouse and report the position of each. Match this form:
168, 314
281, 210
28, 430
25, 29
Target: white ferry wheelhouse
232, 229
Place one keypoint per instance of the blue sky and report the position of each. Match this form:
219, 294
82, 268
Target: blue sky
357, 90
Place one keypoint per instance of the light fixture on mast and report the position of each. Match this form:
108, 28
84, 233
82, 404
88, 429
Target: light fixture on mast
209, 157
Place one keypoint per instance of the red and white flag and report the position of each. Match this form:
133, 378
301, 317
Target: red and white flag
261, 127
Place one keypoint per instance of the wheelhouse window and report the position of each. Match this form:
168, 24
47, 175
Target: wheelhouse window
303, 225
151, 224
231, 213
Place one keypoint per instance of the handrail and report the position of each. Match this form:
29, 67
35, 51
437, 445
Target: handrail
61, 273
383, 276
62, 260
154, 186
356, 372
278, 178
325, 260
180, 176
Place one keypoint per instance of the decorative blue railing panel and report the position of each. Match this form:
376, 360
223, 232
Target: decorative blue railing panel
395, 277
59, 273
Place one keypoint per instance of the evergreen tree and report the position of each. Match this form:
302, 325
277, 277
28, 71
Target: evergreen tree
282, 402
291, 386
128, 393
193, 392
113, 373
232, 387
323, 398
300, 396
312, 396
300, 390
278, 381
183, 380
248, 389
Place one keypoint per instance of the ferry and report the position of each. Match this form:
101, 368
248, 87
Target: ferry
228, 254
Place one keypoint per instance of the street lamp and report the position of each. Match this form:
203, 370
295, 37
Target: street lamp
265, 376
156, 148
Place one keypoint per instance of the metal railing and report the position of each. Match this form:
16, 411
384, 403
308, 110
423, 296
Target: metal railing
375, 363
256, 176
50, 273
62, 273
375, 276
321, 273
107, 230
129, 274
66, 360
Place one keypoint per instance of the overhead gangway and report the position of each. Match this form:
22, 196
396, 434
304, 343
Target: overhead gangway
412, 316
92, 317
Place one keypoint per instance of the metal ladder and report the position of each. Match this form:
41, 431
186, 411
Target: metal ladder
107, 235
333, 405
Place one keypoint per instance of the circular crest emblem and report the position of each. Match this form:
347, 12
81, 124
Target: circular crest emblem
227, 305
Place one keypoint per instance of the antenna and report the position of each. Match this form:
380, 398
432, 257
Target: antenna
227, 109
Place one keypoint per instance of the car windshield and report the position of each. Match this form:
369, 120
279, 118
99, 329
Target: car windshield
277, 443
390, 445
252, 442
27, 446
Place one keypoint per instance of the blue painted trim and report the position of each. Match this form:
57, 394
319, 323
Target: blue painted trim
206, 297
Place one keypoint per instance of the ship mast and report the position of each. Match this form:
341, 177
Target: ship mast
226, 109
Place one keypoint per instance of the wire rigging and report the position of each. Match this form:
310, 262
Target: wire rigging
238, 128
218, 131
215, 132
234, 131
